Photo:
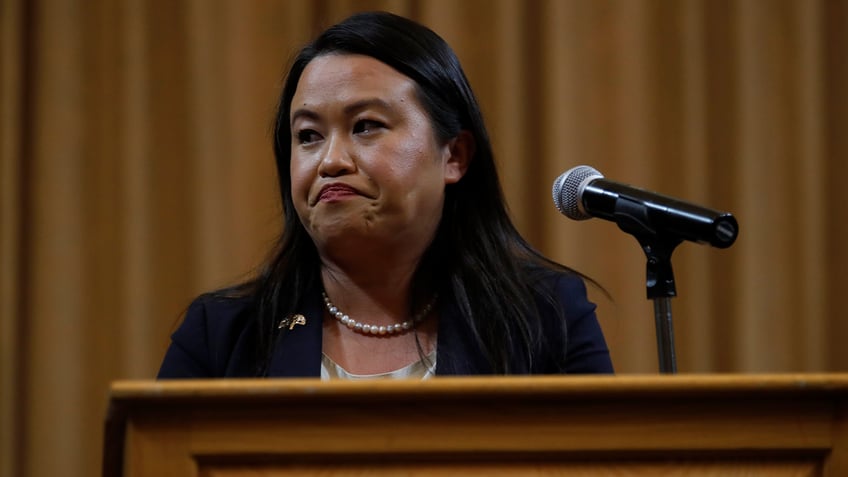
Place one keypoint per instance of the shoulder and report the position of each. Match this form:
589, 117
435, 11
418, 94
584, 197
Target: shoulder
206, 342
566, 289
220, 309
564, 302
216, 317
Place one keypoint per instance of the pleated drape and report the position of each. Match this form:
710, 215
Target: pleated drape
137, 172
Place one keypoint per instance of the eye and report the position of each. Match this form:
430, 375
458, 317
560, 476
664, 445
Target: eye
367, 126
307, 136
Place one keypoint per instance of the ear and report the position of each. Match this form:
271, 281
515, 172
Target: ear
460, 150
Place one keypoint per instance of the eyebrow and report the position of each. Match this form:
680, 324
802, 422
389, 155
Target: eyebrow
349, 109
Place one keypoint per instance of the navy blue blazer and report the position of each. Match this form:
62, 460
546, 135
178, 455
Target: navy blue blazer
217, 339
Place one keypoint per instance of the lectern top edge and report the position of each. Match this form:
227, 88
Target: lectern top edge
502, 386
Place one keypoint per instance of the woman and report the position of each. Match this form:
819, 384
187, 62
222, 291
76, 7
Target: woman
397, 257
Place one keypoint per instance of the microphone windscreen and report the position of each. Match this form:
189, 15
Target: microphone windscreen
568, 189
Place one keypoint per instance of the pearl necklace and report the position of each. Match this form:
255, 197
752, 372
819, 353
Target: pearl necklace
374, 329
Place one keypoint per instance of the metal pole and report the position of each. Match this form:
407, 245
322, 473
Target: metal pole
665, 335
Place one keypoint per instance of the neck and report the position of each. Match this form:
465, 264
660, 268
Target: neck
377, 291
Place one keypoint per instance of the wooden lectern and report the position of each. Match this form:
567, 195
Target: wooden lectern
690, 425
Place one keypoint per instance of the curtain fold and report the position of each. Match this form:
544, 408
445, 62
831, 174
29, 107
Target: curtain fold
12, 141
137, 172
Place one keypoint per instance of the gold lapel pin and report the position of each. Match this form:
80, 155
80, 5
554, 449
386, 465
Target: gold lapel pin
292, 320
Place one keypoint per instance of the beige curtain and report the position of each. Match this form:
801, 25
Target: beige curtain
136, 172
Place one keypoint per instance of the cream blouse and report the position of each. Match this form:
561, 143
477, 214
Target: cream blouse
421, 369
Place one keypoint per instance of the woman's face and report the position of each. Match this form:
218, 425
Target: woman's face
366, 167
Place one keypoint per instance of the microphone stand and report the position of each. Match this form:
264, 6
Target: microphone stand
632, 217
660, 288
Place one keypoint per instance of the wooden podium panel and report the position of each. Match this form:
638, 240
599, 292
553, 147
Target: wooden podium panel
687, 425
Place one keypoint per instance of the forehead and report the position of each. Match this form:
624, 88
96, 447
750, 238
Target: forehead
349, 77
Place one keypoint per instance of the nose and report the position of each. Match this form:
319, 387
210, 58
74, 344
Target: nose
337, 159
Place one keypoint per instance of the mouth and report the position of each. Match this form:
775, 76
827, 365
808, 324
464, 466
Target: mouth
335, 192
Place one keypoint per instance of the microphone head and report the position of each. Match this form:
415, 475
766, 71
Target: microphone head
568, 191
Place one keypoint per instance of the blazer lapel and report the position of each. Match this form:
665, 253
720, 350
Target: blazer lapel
457, 352
297, 352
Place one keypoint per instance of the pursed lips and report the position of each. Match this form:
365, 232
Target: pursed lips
331, 192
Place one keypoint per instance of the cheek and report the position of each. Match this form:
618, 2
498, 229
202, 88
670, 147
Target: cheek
413, 161
300, 180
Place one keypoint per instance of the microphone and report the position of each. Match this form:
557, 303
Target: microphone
582, 192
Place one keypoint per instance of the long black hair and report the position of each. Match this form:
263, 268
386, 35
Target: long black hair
477, 259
